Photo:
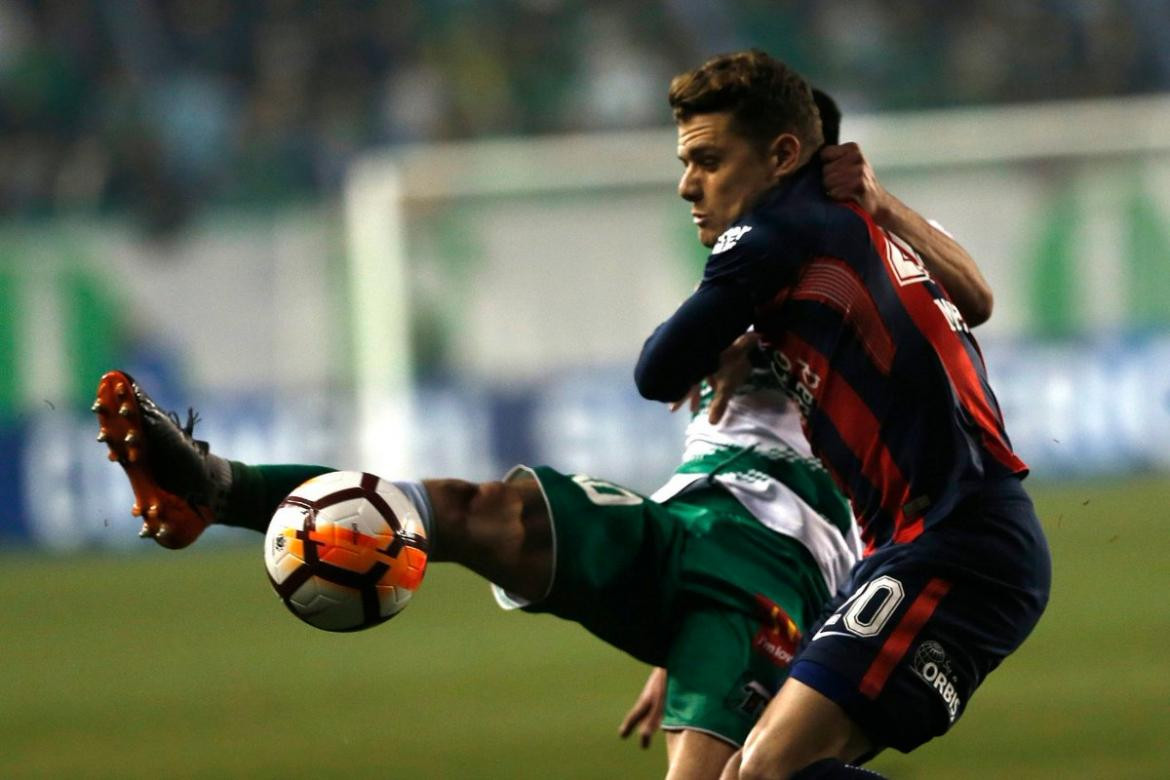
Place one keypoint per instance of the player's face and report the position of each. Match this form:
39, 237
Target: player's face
724, 173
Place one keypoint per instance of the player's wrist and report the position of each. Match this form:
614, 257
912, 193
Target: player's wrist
884, 210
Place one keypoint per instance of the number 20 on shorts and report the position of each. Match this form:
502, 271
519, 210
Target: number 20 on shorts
868, 610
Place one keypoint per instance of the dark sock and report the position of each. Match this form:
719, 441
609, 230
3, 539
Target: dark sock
832, 769
256, 491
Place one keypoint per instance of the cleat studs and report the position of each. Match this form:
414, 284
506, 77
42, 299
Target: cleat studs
97, 406
132, 455
102, 436
124, 410
152, 512
163, 532
131, 437
120, 389
144, 531
136, 510
112, 455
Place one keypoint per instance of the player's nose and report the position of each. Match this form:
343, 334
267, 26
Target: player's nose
689, 188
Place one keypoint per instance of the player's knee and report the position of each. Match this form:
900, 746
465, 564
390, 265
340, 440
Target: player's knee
793, 764
731, 768
755, 765
754, 769
772, 759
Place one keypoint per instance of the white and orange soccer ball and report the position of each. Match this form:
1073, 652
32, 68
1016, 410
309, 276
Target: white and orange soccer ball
345, 551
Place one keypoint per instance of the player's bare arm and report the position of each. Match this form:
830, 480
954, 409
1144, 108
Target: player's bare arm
645, 716
849, 176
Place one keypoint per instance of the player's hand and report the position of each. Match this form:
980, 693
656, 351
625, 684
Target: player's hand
646, 714
691, 400
847, 175
734, 367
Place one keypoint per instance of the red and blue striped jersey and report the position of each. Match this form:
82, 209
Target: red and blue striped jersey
890, 382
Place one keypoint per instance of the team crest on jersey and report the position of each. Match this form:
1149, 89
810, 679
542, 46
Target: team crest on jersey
730, 238
905, 262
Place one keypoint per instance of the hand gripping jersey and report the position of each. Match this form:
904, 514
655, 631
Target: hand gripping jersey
889, 382
758, 453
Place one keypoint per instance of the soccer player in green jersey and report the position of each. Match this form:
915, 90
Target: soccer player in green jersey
711, 580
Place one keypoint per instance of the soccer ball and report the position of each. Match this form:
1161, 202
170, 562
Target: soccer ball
345, 551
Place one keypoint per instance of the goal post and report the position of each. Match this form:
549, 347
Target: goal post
527, 213
380, 316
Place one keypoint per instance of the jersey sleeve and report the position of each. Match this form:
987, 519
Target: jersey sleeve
748, 264
686, 347
760, 256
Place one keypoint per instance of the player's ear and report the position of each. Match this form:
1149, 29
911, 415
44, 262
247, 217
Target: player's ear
784, 155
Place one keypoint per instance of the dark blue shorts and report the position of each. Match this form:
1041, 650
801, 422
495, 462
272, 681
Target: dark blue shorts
921, 624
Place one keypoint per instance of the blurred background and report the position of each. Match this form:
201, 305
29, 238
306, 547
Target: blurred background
429, 238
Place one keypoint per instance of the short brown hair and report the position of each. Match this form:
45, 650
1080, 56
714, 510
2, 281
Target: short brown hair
765, 97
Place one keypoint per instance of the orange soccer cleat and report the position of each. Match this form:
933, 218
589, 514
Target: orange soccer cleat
176, 481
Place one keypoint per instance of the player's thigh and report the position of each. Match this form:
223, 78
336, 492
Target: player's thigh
615, 562
926, 622
724, 666
499, 530
693, 755
799, 726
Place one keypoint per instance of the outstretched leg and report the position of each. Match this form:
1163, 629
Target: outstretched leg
500, 531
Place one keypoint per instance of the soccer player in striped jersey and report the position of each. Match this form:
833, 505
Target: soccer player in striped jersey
895, 402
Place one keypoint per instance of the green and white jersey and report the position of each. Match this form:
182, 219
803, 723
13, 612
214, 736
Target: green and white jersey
758, 452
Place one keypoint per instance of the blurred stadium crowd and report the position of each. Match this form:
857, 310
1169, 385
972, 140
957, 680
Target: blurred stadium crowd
160, 107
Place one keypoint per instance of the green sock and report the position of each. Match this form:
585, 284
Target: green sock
256, 491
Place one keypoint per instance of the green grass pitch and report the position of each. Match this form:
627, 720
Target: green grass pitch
185, 665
